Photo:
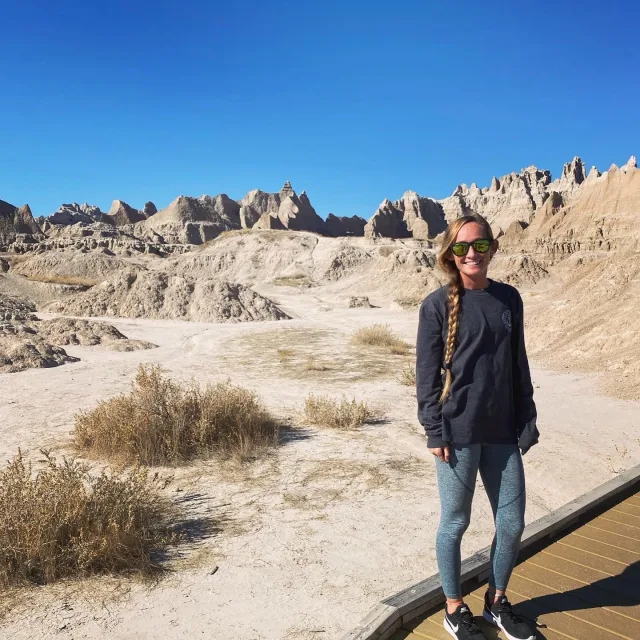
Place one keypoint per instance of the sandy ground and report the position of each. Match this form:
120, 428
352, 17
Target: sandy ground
307, 541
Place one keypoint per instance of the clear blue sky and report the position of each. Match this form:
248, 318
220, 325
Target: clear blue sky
351, 101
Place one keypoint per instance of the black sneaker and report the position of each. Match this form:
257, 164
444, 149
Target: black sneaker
460, 624
500, 614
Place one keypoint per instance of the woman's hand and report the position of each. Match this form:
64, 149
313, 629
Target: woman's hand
441, 452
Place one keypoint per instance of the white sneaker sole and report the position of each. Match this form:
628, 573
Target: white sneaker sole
488, 616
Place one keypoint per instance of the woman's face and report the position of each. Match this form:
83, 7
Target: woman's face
474, 265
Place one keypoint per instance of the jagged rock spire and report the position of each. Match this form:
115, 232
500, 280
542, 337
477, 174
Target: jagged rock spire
287, 189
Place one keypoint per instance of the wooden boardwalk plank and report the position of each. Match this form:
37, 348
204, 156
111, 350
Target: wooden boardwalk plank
615, 584
629, 509
622, 518
620, 540
614, 527
598, 548
592, 595
633, 501
594, 561
563, 613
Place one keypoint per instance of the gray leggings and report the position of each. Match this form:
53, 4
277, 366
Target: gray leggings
502, 474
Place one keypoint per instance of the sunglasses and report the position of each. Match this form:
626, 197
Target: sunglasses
460, 249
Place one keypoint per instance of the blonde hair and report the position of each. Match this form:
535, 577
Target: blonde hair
455, 289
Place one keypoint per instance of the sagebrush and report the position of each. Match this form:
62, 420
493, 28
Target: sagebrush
161, 421
340, 413
380, 335
64, 522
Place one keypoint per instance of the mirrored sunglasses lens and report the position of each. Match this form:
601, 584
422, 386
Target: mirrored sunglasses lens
460, 249
482, 246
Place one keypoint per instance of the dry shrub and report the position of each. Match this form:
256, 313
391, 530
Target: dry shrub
380, 335
337, 414
386, 251
408, 376
161, 421
54, 278
64, 522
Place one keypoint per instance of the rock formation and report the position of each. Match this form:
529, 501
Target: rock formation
193, 220
411, 216
74, 213
92, 265
291, 211
515, 196
17, 225
121, 214
337, 226
27, 342
149, 209
157, 294
600, 216
573, 175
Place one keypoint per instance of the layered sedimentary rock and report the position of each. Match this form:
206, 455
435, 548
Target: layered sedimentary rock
73, 213
17, 224
573, 175
157, 294
411, 216
601, 216
290, 210
121, 214
27, 342
193, 220
515, 196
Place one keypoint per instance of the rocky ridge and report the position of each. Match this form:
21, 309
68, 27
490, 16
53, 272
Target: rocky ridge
514, 198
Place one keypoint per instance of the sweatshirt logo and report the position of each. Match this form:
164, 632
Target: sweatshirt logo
506, 318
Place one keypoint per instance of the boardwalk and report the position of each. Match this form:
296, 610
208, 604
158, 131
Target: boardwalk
584, 586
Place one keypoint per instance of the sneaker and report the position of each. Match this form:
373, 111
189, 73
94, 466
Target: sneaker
460, 624
500, 614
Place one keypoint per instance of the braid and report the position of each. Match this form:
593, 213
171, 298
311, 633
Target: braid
452, 332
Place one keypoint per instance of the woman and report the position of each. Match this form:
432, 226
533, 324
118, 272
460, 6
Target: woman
478, 416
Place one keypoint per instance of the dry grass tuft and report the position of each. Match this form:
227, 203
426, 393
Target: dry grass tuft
407, 376
410, 302
314, 365
161, 421
63, 522
292, 281
284, 355
380, 335
54, 278
337, 414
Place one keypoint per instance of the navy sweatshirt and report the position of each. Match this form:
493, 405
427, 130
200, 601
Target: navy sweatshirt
491, 397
